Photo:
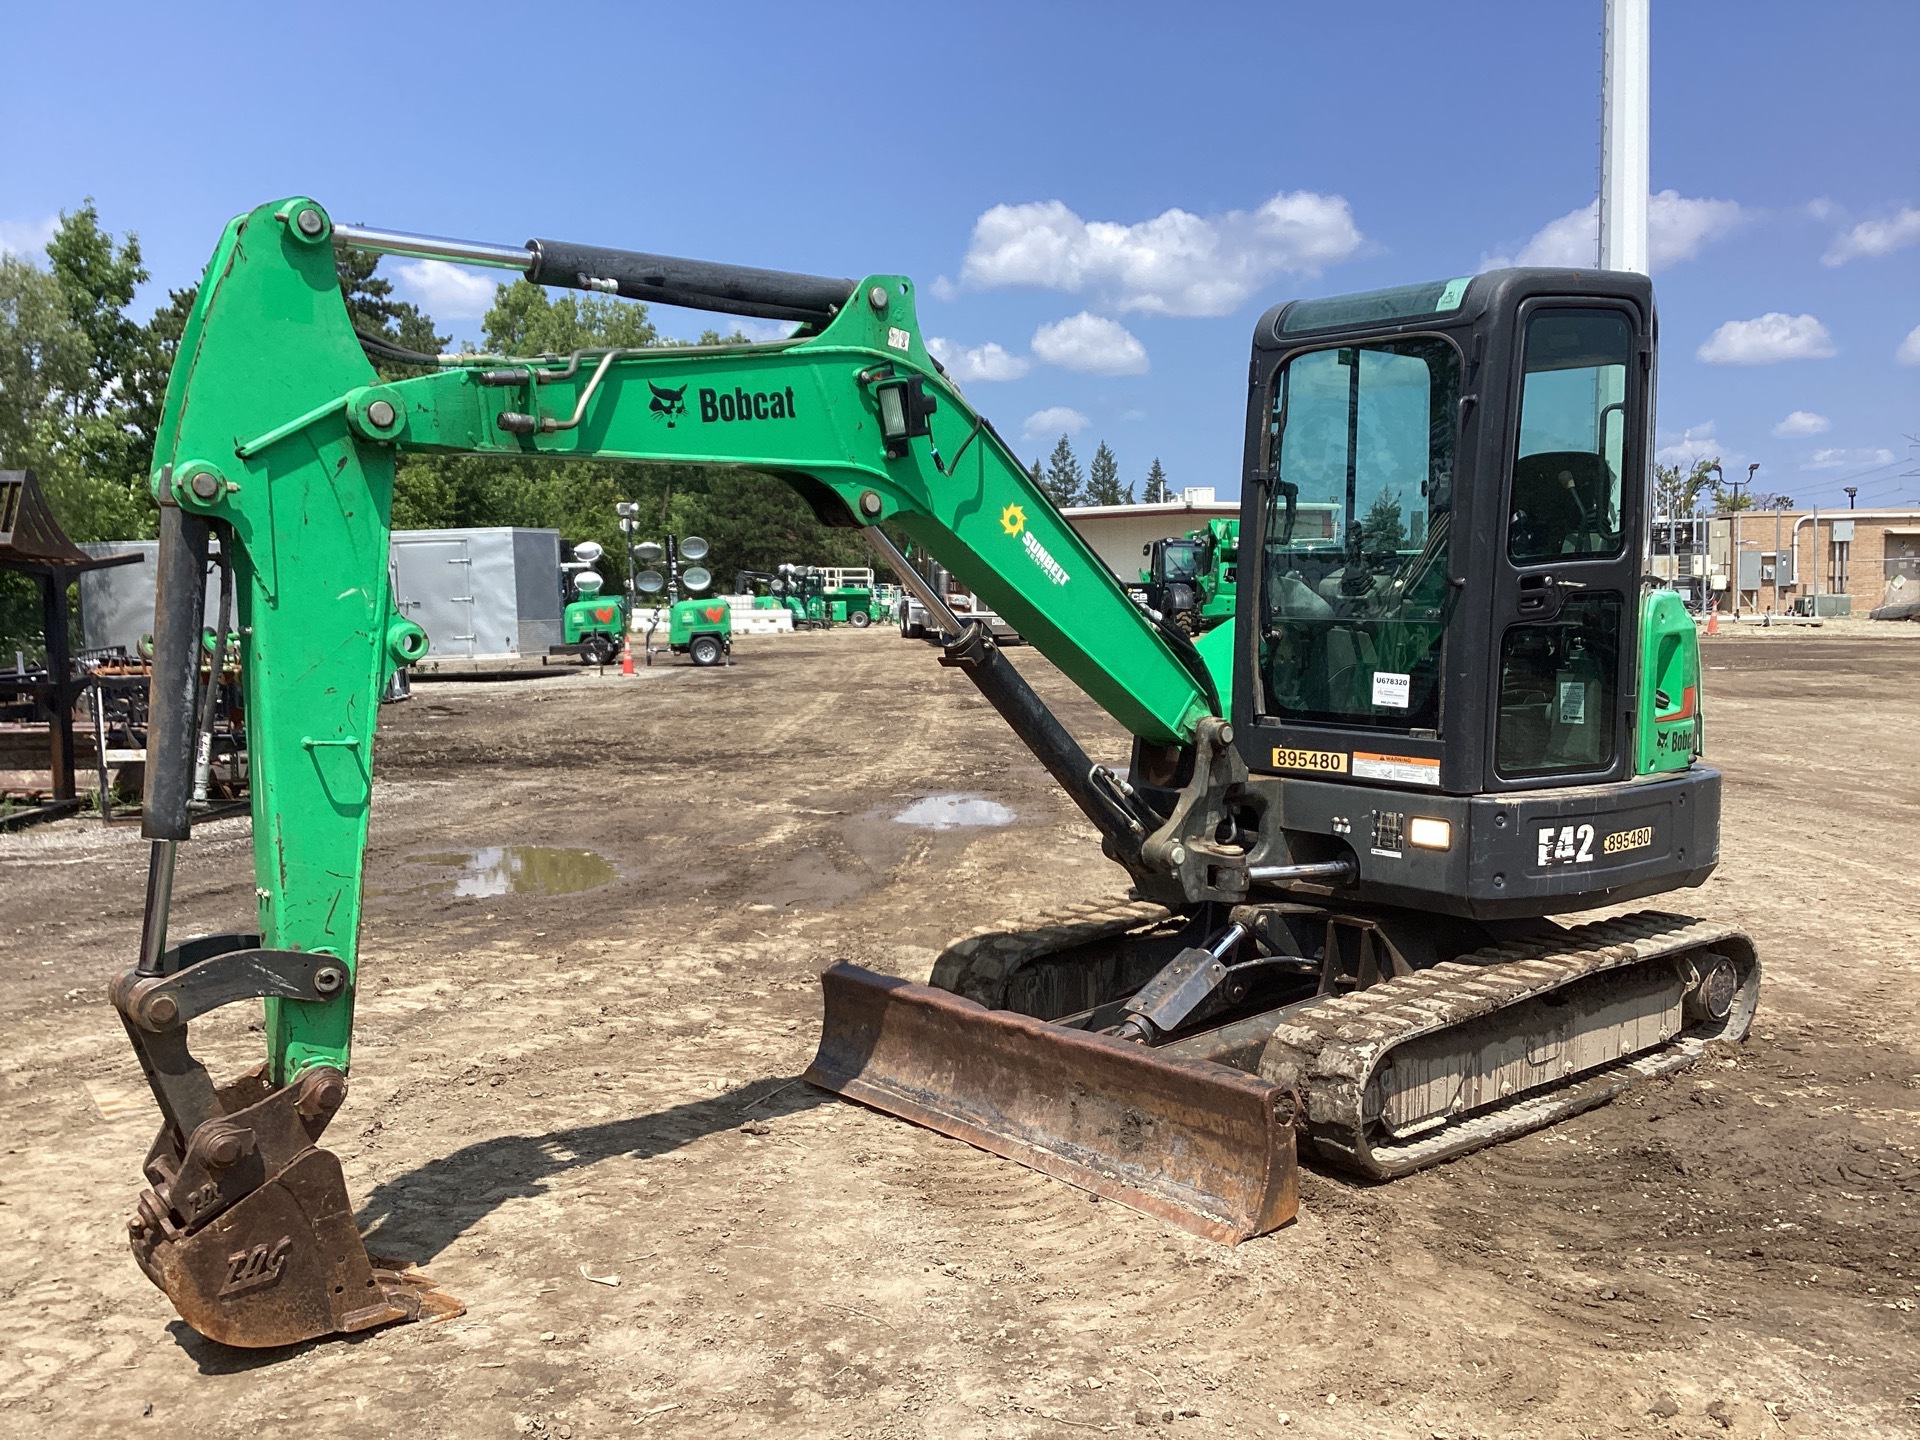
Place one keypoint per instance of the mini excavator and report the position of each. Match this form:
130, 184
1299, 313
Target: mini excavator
1449, 709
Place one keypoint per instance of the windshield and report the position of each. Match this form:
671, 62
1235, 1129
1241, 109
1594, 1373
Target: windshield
1179, 560
1355, 597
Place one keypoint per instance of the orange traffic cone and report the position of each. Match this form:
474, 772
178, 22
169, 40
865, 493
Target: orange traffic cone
1713, 620
626, 660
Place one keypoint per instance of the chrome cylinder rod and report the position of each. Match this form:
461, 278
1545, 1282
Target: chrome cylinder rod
433, 247
943, 617
1337, 872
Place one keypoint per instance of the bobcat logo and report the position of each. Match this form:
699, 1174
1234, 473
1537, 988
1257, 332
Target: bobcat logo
668, 403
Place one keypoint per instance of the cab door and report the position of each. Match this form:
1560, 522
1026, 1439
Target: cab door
1567, 573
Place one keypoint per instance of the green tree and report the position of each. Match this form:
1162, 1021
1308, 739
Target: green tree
1157, 490
1382, 530
44, 357
756, 522
1064, 482
98, 276
524, 320
143, 387
373, 311
1103, 480
69, 351
1678, 492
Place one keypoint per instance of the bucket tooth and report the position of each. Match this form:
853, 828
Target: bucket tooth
1201, 1145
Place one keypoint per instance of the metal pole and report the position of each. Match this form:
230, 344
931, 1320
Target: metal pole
1734, 511
1815, 556
1778, 510
1625, 136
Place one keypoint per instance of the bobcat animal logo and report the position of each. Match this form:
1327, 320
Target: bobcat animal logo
668, 403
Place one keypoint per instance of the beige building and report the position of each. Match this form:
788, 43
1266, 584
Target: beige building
1872, 557
1118, 533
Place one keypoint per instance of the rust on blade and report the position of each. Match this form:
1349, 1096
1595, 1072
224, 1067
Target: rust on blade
1204, 1146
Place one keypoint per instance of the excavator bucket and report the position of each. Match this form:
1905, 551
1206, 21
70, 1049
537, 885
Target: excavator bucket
283, 1265
1202, 1145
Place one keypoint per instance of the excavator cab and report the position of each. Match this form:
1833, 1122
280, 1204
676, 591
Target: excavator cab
1445, 485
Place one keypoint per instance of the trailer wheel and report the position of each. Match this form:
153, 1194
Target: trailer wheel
859, 619
705, 649
599, 649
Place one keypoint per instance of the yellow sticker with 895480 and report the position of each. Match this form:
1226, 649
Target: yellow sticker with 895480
1326, 762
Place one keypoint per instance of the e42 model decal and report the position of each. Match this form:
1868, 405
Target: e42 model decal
1564, 845
1573, 844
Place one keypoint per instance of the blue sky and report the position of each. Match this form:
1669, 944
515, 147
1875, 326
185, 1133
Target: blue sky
1097, 199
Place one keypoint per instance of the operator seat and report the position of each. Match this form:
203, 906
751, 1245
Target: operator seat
1561, 504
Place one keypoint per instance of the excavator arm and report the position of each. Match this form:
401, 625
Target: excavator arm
280, 440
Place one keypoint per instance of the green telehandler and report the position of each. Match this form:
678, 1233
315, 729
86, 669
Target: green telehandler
1447, 713
1192, 579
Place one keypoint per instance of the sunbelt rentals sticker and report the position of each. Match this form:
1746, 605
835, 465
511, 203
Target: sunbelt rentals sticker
1013, 520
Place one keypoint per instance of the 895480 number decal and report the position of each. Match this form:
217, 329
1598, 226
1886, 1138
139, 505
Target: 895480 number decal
1327, 762
1621, 840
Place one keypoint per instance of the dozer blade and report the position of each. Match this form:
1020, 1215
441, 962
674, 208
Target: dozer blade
1207, 1147
282, 1265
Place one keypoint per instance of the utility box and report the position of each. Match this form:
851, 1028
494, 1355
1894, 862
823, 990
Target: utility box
480, 594
116, 606
1825, 607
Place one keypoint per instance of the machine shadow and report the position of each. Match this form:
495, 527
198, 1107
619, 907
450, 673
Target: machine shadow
416, 1215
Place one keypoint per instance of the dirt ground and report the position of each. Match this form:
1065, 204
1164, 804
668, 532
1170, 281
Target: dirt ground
581, 1114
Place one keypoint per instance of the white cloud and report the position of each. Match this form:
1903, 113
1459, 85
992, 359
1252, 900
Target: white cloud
1678, 228
1848, 459
944, 289
1909, 351
1054, 420
760, 332
1698, 442
1092, 345
447, 291
27, 239
990, 361
1802, 422
1177, 263
1767, 340
1873, 238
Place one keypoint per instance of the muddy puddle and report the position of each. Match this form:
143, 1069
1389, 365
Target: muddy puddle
518, 870
954, 812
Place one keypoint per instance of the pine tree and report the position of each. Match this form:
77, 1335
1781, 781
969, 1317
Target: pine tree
1157, 489
1064, 484
1037, 475
1103, 480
